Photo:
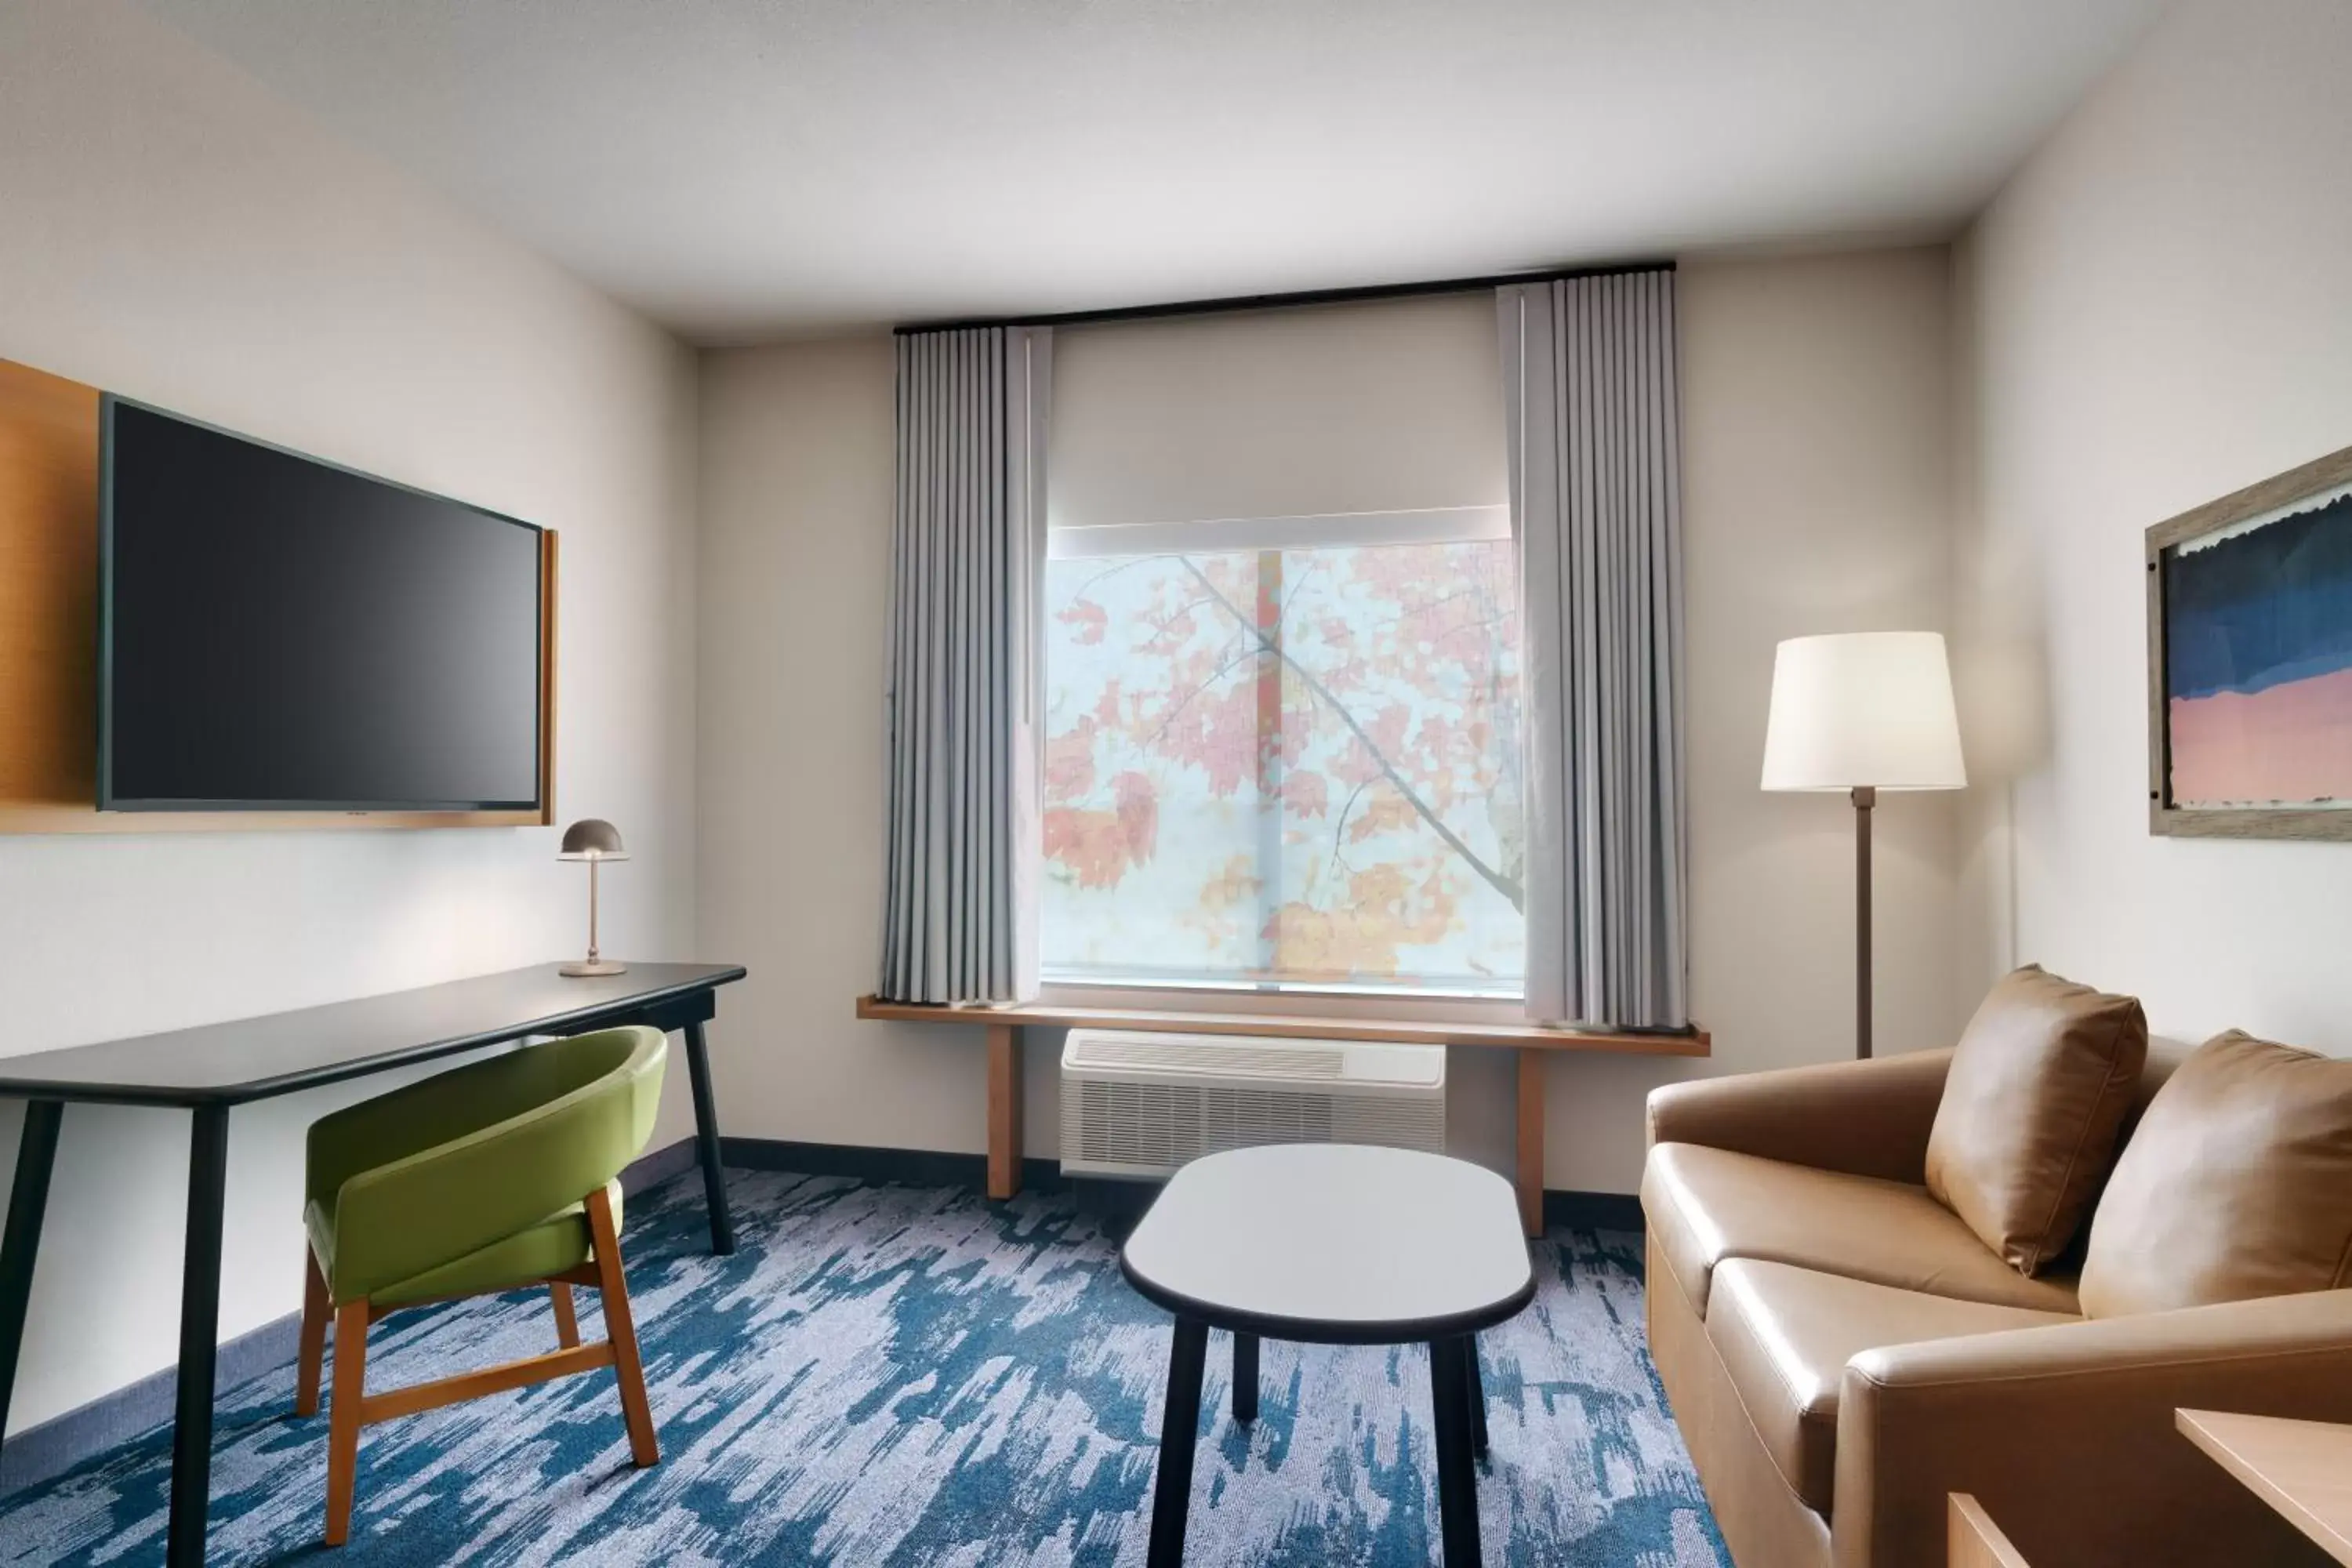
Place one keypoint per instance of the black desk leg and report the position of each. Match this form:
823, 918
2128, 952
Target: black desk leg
1244, 1377
1180, 1427
1477, 1395
192, 1430
706, 1141
36, 1155
1457, 1475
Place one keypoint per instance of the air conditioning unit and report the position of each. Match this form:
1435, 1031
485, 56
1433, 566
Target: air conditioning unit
1143, 1104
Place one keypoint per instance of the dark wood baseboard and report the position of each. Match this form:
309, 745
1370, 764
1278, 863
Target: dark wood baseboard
658, 1165
1591, 1210
907, 1168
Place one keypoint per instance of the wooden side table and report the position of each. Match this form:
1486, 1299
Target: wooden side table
2302, 1469
1973, 1540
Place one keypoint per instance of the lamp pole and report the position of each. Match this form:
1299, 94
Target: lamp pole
595, 957
1865, 800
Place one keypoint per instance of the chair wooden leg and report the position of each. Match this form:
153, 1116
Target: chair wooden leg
344, 1417
567, 1321
622, 1330
316, 1309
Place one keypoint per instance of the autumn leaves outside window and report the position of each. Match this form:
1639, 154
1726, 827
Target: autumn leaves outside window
1286, 767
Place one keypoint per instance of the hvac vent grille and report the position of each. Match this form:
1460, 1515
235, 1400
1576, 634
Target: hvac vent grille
1164, 1125
1203, 1054
1136, 1104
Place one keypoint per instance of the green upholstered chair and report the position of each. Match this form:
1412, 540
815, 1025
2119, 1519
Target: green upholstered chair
494, 1177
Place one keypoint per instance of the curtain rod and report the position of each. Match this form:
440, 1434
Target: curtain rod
1279, 301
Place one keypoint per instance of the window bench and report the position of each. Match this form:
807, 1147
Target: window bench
1532, 1042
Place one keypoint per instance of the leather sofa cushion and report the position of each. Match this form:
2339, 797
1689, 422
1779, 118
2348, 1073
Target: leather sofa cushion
1704, 1206
1785, 1335
2039, 1088
2237, 1184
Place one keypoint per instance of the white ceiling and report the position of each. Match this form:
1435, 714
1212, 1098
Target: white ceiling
740, 169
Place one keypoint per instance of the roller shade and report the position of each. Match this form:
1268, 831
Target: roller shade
1358, 424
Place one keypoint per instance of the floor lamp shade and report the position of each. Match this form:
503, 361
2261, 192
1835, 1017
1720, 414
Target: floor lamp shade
1862, 711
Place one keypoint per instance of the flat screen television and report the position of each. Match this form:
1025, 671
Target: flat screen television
279, 634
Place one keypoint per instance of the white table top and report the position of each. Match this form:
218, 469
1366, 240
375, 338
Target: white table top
1334, 1242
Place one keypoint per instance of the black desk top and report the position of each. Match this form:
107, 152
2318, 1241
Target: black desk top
254, 1059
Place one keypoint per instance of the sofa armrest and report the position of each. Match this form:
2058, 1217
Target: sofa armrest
1866, 1118
2067, 1436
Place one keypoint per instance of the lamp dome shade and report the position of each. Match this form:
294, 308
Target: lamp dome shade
592, 838
1863, 709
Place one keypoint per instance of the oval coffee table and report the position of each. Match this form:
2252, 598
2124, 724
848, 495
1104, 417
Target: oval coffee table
1334, 1244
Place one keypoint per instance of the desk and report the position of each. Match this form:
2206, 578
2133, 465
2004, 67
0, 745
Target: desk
2302, 1469
209, 1070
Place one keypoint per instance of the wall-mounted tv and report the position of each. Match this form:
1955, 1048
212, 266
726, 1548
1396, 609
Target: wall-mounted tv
279, 634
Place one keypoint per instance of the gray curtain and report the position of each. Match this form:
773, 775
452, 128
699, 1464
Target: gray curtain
959, 917
1596, 502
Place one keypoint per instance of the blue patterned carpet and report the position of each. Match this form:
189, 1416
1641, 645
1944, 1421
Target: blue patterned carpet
888, 1376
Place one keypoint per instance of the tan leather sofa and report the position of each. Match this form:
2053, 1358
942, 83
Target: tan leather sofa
1840, 1351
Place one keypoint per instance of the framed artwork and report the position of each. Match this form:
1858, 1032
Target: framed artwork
2250, 660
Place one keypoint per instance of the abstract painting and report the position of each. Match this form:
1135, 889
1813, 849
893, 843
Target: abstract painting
2249, 630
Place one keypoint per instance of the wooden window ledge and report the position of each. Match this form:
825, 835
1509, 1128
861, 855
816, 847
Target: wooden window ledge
1532, 1042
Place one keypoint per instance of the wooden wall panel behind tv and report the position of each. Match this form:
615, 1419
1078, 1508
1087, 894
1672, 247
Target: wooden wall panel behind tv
49, 640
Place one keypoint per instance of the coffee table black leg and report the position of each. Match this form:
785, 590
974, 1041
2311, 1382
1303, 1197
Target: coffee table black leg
29, 1200
1457, 1476
706, 1141
1477, 1395
192, 1431
1244, 1377
1180, 1427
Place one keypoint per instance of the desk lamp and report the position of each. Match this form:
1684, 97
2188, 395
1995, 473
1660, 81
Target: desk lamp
595, 841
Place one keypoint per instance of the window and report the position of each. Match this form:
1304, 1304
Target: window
1281, 666
1289, 766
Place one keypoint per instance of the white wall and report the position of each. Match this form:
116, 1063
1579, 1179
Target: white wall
2156, 314
1816, 397
170, 231
795, 558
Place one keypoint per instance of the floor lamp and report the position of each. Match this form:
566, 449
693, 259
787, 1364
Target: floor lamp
1862, 711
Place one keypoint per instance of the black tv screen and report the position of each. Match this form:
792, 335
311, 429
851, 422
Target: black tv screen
280, 634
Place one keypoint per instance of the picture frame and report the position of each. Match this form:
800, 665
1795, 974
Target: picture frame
2250, 660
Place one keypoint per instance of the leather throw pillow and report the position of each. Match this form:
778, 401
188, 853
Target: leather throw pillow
2039, 1086
2237, 1184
